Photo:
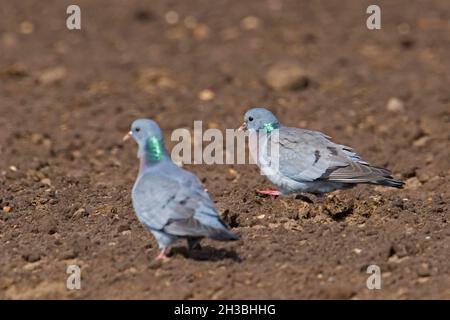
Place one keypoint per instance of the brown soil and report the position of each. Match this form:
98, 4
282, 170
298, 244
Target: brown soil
67, 98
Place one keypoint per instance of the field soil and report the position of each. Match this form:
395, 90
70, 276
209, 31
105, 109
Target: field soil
68, 96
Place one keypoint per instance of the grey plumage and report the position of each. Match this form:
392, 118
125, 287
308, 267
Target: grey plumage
168, 200
308, 161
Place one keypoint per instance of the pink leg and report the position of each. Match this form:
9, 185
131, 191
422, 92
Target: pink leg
162, 254
270, 192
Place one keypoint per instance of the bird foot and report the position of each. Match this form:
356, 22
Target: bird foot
162, 256
270, 192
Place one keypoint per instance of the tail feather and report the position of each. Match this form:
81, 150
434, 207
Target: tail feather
193, 228
223, 235
390, 182
363, 173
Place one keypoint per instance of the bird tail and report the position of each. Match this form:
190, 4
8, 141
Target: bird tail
362, 173
223, 235
194, 228
390, 182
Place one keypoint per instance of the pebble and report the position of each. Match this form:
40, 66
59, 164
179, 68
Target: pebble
7, 209
206, 95
123, 227
250, 23
52, 75
422, 141
70, 254
26, 27
46, 181
287, 76
16, 70
395, 105
201, 31
80, 213
32, 257
172, 17
423, 270
412, 183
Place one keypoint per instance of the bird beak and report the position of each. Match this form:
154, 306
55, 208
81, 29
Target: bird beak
127, 136
243, 127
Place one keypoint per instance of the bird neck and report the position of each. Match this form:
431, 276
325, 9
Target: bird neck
269, 127
153, 151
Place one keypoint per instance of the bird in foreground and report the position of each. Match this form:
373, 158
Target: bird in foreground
168, 200
306, 161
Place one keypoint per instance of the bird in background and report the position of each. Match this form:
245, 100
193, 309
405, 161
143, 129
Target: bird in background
168, 200
306, 161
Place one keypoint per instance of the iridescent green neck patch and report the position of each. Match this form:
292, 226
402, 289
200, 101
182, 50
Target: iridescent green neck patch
155, 149
269, 127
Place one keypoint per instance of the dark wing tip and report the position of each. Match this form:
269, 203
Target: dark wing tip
224, 235
390, 182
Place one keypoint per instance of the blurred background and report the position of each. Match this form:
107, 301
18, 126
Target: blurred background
68, 96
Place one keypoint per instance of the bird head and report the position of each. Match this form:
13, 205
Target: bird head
259, 119
146, 133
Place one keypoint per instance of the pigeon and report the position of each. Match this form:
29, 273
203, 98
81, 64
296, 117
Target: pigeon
168, 200
305, 161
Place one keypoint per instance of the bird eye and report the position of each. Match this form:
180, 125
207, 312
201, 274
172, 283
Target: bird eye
250, 119
138, 129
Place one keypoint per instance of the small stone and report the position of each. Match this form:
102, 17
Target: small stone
16, 70
421, 142
123, 227
46, 181
233, 172
412, 183
32, 257
206, 95
287, 76
13, 168
357, 251
395, 105
213, 125
70, 254
250, 23
273, 225
201, 31
80, 213
261, 216
172, 17
36, 138
26, 27
7, 209
423, 270
53, 75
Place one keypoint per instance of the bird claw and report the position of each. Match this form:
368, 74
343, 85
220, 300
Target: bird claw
162, 255
270, 192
